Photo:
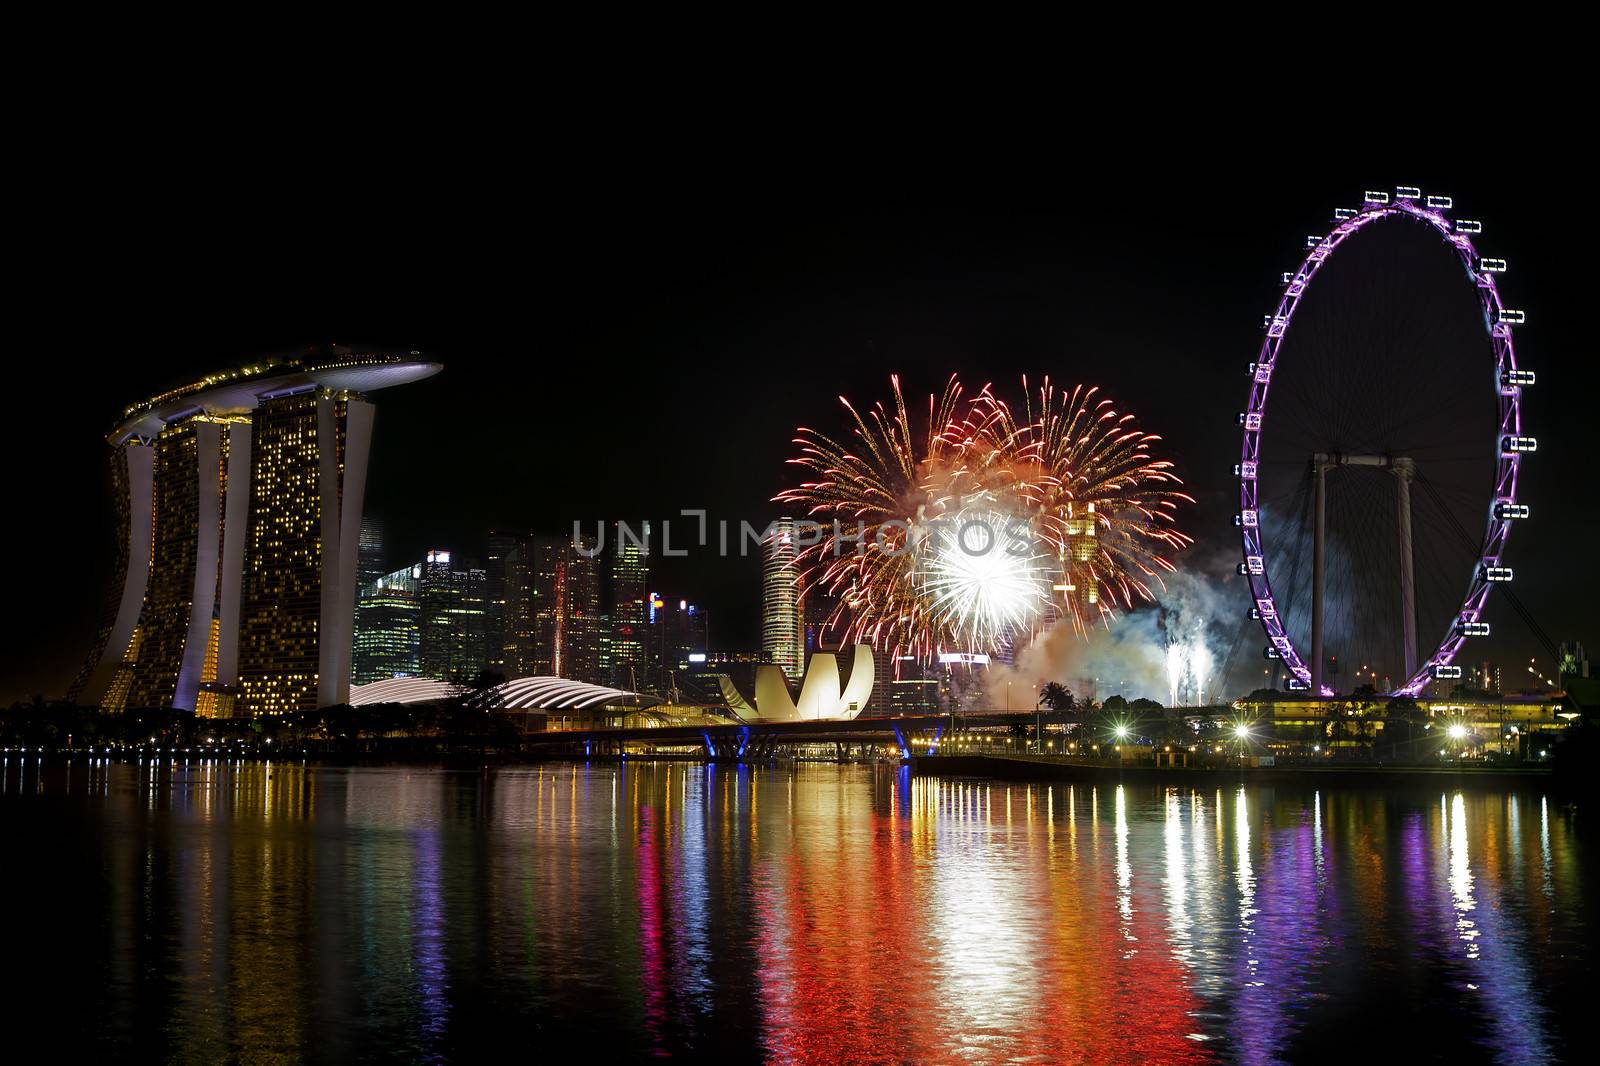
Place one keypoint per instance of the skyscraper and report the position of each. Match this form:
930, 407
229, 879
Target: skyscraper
239, 505
497, 568
370, 557
553, 609
782, 631
822, 631
629, 576
677, 631
180, 603
580, 636
389, 627
1574, 660
453, 644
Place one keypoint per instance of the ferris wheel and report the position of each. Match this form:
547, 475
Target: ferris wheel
1397, 417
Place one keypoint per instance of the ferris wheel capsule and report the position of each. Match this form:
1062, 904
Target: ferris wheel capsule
1492, 266
1446, 671
1374, 197
1407, 192
1473, 629
1509, 317
1342, 214
1517, 378
1441, 203
1510, 445
1468, 225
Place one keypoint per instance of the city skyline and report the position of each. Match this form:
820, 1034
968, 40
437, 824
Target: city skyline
1041, 291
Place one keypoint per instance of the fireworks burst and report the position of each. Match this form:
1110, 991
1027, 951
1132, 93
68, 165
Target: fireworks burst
991, 524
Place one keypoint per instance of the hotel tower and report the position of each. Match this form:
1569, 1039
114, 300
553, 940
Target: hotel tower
239, 502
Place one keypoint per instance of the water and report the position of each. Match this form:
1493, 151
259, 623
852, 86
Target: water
212, 911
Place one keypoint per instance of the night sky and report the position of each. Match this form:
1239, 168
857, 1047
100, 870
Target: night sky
625, 345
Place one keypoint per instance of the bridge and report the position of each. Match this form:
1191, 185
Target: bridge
911, 734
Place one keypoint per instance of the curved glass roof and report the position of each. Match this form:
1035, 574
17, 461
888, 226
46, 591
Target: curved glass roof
523, 693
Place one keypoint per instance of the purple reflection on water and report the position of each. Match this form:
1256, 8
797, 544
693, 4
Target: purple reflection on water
428, 938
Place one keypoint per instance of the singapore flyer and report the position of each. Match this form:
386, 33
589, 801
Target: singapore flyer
1378, 490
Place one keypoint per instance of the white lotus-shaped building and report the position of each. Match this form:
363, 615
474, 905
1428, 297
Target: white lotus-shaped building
820, 693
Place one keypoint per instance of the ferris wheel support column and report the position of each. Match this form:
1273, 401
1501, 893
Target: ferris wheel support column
1403, 471
1320, 464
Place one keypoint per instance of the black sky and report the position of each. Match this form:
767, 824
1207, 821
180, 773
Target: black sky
625, 345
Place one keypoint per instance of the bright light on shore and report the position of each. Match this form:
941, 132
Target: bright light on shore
1241, 731
1458, 732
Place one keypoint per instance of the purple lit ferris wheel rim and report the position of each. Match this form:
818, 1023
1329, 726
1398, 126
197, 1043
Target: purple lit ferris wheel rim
1498, 321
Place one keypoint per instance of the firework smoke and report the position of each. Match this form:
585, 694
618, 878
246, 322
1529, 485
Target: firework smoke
1172, 652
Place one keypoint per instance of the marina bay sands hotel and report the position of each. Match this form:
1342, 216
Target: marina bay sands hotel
239, 509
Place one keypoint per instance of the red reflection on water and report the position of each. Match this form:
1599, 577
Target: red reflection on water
876, 946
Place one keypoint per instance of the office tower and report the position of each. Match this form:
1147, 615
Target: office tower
782, 631
370, 556
521, 610
677, 632
239, 503
823, 631
880, 703
580, 636
1574, 660
629, 574
389, 627
497, 567
553, 609
702, 681
453, 643
1486, 677
915, 687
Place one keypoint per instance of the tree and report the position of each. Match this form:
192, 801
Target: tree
1115, 703
1057, 697
1401, 718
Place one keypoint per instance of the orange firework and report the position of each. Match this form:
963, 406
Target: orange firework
989, 526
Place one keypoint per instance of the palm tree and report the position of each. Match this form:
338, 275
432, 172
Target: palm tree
1058, 698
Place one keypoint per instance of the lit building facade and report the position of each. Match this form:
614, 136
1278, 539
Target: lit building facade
454, 621
914, 689
782, 628
703, 681
824, 625
239, 508
388, 641
553, 622
625, 650
677, 632
497, 568
370, 557
1574, 660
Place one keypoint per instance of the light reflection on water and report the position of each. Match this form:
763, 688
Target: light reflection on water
212, 911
